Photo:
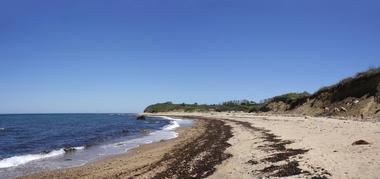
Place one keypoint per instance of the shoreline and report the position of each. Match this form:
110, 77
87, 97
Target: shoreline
131, 153
222, 145
81, 154
160, 159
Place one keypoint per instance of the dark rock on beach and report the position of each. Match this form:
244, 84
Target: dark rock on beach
70, 149
140, 117
361, 142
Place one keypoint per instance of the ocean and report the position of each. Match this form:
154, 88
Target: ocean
37, 142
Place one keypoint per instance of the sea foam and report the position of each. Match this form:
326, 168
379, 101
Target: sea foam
80, 148
23, 159
173, 123
166, 132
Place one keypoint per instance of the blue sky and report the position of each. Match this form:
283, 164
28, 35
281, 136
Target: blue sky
121, 55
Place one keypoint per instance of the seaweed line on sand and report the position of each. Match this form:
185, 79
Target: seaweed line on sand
196, 159
274, 144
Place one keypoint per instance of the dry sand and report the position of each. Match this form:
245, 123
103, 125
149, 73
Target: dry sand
300, 147
259, 147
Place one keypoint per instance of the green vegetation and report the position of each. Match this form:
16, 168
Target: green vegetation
169, 106
288, 98
237, 105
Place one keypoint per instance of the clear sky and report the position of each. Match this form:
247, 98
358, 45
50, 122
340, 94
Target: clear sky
121, 55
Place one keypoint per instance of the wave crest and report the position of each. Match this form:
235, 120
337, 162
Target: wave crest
23, 159
172, 126
173, 123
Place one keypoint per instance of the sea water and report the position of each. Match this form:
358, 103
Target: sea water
36, 142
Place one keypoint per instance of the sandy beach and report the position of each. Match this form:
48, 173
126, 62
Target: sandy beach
131, 89
242, 145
